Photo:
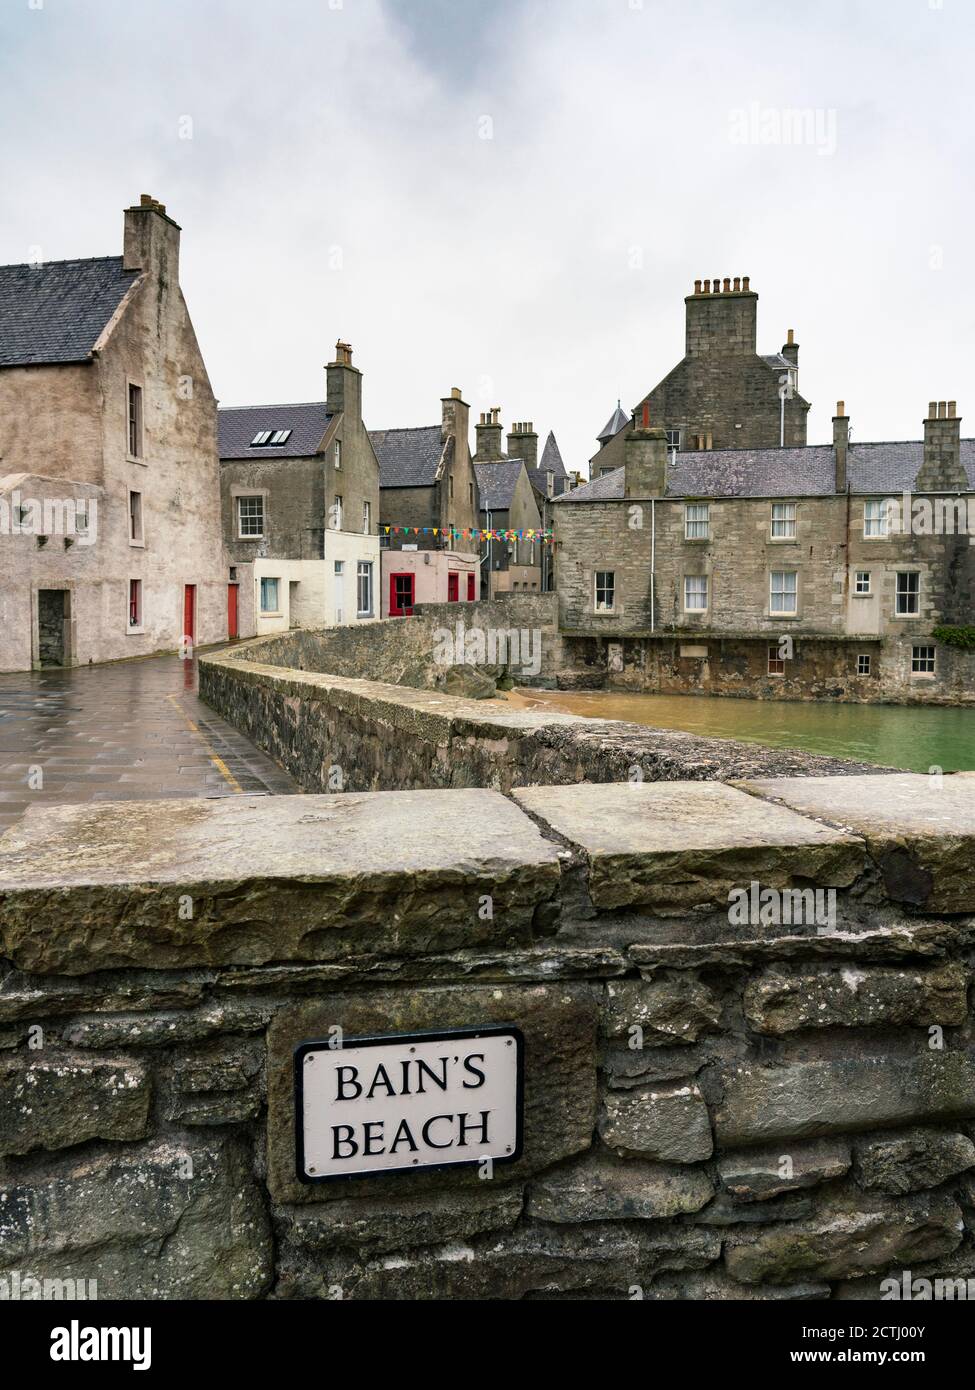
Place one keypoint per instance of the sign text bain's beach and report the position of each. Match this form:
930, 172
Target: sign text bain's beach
395, 1103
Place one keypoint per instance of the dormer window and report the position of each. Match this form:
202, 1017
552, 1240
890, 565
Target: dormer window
266, 439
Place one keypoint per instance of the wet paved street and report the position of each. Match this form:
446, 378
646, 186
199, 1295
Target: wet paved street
132, 730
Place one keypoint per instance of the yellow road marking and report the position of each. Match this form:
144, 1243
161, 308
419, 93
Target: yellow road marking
215, 758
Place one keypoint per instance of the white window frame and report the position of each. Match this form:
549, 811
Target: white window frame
867, 589
783, 591
693, 524
924, 670
138, 454
700, 581
609, 588
337, 453
876, 519
775, 655
243, 535
338, 511
367, 518
907, 593
363, 571
786, 521
139, 541
276, 581
864, 669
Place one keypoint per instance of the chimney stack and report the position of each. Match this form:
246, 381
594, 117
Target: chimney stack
644, 456
455, 421
151, 240
343, 384
841, 444
790, 349
942, 470
523, 443
488, 432
721, 317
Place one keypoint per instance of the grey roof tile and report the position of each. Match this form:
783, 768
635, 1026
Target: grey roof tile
873, 470
55, 313
408, 457
496, 483
552, 457
307, 421
614, 424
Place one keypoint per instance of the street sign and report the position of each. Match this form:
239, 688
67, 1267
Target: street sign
404, 1102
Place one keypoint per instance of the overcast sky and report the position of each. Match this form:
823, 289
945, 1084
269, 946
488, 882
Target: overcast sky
514, 196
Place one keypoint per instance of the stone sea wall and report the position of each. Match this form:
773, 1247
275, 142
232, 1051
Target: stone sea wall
342, 733
733, 1088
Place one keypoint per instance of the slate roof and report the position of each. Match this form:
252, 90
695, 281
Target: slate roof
873, 470
614, 424
552, 457
238, 424
408, 457
496, 482
777, 362
56, 312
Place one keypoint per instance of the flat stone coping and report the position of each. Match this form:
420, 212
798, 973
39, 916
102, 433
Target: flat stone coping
919, 829
678, 843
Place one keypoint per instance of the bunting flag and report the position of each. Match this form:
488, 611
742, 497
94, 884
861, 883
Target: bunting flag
470, 533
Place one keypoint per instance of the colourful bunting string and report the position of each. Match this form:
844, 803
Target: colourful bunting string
470, 533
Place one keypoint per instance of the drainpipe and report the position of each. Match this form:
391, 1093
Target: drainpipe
783, 388
653, 559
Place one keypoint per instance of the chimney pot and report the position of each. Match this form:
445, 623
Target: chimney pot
737, 282
727, 285
455, 393
744, 282
707, 287
932, 410
942, 410
790, 336
952, 409
841, 408
697, 287
145, 200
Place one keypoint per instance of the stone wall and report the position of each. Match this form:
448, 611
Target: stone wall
713, 1107
340, 733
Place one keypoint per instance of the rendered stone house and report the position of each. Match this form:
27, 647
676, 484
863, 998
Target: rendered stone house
511, 500
300, 494
428, 505
722, 394
110, 537
815, 572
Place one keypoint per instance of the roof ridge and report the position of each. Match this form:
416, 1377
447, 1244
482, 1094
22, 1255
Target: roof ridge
403, 429
272, 405
70, 260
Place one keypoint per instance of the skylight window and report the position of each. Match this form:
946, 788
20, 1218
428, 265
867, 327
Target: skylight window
268, 438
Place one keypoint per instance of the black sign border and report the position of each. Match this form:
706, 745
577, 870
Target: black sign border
430, 1035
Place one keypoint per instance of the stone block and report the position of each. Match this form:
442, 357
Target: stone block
785, 998
55, 1103
671, 1007
759, 1174
601, 1187
245, 880
672, 845
377, 1226
669, 1123
910, 1161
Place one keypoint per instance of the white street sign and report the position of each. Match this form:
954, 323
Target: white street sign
395, 1103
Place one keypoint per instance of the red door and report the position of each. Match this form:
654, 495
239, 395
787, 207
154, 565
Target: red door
189, 611
452, 588
233, 622
470, 588
401, 595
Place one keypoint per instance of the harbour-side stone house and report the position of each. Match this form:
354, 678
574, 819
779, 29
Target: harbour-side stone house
110, 535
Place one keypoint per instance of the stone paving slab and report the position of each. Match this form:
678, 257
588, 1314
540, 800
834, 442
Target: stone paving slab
678, 844
920, 829
246, 880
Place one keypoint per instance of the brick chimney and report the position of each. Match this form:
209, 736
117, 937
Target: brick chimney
151, 240
455, 417
841, 444
722, 319
488, 431
343, 382
523, 443
644, 456
790, 349
942, 469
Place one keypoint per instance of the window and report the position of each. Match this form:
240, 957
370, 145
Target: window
783, 521
673, 439
453, 587
266, 439
250, 517
907, 598
337, 513
339, 567
367, 518
364, 588
337, 453
384, 540
269, 596
135, 421
861, 583
776, 663
922, 661
280, 437
863, 663
695, 593
135, 518
470, 494
697, 521
876, 518
262, 437
783, 591
135, 603
471, 595
450, 487
605, 582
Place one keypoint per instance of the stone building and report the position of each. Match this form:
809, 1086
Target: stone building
841, 571
428, 505
722, 394
110, 537
300, 492
512, 488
